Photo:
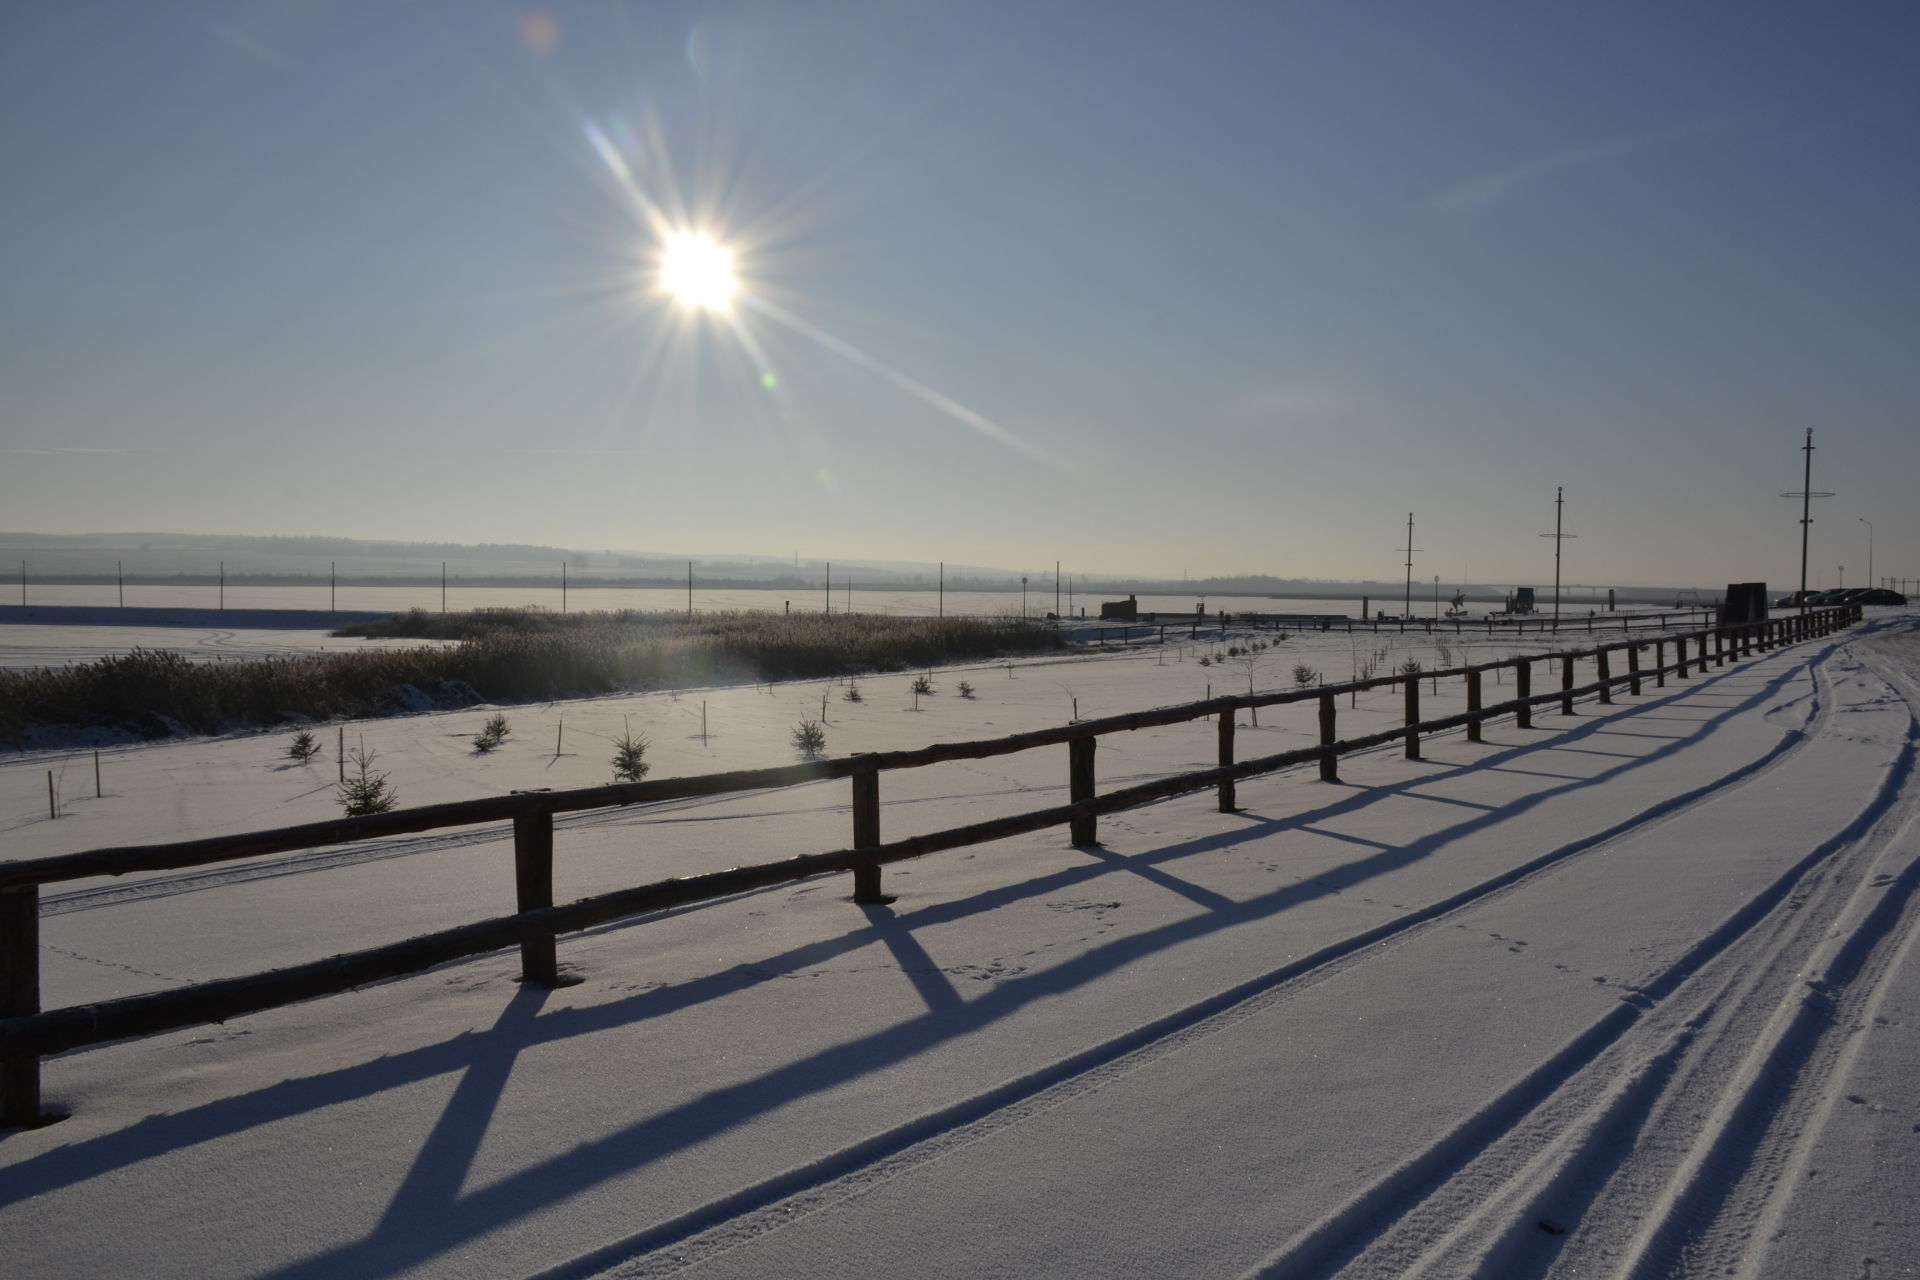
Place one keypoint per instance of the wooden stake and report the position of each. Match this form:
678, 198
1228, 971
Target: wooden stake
533, 889
96, 775
20, 997
558, 732
1081, 830
1412, 686
53, 809
1329, 758
1227, 798
866, 834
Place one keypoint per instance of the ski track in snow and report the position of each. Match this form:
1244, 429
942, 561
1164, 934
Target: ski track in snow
1666, 1126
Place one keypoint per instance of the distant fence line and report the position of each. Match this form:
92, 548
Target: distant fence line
566, 577
27, 1033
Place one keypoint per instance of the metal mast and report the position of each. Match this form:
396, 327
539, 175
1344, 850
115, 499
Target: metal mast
1806, 495
1559, 538
1406, 608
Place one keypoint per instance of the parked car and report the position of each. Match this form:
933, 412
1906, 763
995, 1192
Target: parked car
1878, 595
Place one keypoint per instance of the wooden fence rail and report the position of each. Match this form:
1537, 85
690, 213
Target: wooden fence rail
27, 1034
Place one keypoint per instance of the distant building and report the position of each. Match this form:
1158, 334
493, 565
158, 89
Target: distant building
1745, 602
1127, 610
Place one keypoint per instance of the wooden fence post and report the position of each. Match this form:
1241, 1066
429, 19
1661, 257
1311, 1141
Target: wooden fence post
1680, 656
1719, 647
1633, 669
1602, 672
1566, 684
1704, 659
1659, 664
1227, 804
1329, 759
866, 834
533, 889
1412, 686
20, 997
1523, 689
1081, 830
1473, 706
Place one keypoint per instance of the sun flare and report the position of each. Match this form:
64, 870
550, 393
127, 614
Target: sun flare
697, 272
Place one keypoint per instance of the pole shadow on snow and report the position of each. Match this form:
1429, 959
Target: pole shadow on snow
428, 1216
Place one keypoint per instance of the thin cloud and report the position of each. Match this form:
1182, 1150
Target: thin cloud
1302, 401
1490, 188
54, 453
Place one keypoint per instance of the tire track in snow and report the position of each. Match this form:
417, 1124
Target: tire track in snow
744, 1215
1495, 1195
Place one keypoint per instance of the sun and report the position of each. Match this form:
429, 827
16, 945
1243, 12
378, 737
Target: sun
697, 271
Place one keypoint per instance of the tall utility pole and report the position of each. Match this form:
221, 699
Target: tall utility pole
1559, 539
829, 586
1056, 588
689, 591
1806, 496
943, 588
1406, 608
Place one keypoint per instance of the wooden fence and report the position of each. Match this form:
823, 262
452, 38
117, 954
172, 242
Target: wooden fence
27, 1034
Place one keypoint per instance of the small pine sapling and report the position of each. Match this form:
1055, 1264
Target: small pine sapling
492, 734
810, 738
853, 692
1304, 675
966, 689
303, 748
365, 792
923, 684
629, 755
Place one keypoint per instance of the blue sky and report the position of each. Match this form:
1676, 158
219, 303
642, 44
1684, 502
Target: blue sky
1136, 287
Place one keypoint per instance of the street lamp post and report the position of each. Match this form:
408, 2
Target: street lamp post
1023, 595
1869, 524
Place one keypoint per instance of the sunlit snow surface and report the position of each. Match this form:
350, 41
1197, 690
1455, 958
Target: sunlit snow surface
1628, 994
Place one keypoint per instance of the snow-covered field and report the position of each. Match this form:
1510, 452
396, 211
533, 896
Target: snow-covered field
1628, 994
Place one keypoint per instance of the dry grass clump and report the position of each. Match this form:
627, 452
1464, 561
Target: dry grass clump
503, 656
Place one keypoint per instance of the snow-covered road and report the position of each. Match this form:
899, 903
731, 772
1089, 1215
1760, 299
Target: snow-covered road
1630, 994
